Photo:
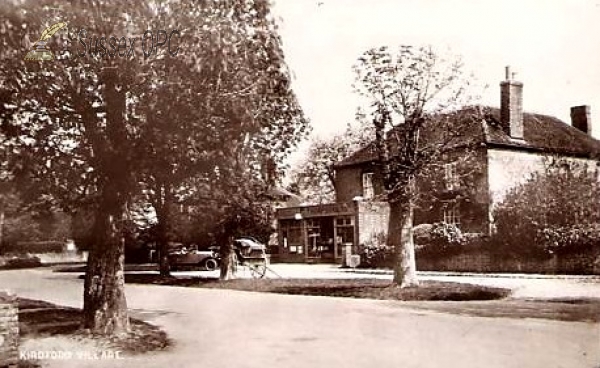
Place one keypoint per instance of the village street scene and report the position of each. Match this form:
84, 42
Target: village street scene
296, 183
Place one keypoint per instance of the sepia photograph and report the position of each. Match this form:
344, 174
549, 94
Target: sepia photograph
299, 183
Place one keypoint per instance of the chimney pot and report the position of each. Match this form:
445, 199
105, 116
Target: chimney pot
580, 118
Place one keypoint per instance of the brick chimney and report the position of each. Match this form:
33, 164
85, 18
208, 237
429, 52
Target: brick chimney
511, 105
580, 118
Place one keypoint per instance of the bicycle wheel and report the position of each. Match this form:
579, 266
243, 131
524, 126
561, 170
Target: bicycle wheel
258, 271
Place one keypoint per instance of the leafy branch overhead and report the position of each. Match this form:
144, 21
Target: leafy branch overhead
93, 132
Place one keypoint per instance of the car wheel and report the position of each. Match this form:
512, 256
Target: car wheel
211, 264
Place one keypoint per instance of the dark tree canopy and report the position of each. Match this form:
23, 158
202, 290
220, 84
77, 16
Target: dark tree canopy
95, 132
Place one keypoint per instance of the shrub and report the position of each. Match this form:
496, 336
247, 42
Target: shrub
439, 240
569, 239
36, 247
422, 235
552, 211
446, 235
376, 253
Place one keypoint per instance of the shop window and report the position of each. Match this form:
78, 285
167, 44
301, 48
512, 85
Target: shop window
292, 235
344, 221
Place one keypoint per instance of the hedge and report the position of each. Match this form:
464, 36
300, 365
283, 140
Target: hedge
35, 247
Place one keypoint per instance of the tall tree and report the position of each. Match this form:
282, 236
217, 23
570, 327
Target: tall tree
74, 140
85, 130
227, 99
414, 94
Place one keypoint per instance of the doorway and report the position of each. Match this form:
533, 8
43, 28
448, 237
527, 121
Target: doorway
320, 238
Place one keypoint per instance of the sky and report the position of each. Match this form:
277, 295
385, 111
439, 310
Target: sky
552, 45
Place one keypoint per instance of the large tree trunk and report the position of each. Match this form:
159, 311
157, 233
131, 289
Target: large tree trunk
163, 259
104, 304
400, 237
228, 261
163, 217
2, 229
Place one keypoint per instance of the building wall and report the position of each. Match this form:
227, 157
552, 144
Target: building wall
373, 218
472, 197
469, 194
486, 177
476, 203
509, 168
348, 183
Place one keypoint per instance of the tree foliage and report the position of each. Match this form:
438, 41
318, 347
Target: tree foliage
315, 176
555, 211
15, 225
234, 103
93, 133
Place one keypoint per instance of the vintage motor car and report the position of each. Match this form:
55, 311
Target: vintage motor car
193, 258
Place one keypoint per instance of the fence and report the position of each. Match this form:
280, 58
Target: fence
580, 264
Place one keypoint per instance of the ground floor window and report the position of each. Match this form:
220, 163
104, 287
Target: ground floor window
291, 232
451, 213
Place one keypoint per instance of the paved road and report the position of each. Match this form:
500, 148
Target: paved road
222, 328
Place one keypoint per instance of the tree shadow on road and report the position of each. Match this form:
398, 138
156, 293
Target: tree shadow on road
38, 318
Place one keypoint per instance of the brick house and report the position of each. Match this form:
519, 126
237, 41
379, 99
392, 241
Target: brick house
511, 145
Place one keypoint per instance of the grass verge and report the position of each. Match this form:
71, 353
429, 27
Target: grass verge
354, 288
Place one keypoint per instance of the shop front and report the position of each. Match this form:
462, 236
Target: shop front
316, 234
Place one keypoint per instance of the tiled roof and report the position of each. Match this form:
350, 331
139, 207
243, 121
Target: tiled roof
365, 154
541, 133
